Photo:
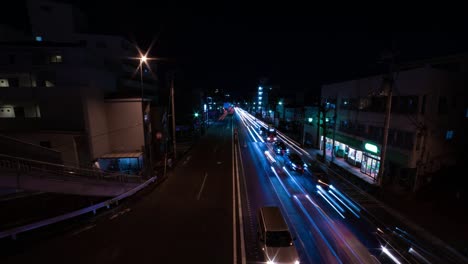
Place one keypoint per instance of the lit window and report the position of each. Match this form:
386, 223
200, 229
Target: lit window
56, 59
4, 83
49, 84
259, 103
449, 134
38, 38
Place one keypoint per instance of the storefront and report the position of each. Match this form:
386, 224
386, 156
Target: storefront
365, 158
370, 165
128, 162
354, 157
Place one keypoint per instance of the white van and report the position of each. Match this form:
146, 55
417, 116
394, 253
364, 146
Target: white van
274, 237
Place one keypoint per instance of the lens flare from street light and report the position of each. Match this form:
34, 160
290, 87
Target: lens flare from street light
143, 58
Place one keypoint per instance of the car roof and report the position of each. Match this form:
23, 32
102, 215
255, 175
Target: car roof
273, 219
294, 156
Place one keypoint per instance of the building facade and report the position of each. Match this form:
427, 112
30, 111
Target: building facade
427, 123
77, 93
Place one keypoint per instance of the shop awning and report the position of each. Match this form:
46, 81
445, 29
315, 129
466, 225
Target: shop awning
352, 142
118, 155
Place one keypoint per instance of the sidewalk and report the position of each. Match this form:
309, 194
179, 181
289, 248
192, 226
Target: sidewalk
434, 209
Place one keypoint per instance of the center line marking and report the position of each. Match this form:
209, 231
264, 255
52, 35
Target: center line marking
203, 185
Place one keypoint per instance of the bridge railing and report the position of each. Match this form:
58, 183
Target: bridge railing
22, 166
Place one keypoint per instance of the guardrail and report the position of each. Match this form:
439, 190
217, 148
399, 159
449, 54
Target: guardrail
13, 232
22, 166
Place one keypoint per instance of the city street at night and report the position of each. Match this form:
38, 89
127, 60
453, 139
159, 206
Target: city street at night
232, 133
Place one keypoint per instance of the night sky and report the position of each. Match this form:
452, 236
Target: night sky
231, 45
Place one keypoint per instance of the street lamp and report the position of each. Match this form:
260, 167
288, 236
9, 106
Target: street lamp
143, 60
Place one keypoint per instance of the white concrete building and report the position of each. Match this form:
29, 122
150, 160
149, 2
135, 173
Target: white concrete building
428, 123
77, 93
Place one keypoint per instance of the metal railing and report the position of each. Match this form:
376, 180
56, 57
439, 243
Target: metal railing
22, 166
13, 232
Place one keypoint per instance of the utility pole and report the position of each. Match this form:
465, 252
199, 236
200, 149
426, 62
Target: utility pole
324, 119
303, 126
317, 143
388, 87
173, 118
334, 132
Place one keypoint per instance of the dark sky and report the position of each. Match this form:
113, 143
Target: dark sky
231, 45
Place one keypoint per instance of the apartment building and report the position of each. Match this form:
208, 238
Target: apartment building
428, 121
75, 92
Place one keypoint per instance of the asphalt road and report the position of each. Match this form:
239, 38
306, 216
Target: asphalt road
205, 212
333, 224
186, 219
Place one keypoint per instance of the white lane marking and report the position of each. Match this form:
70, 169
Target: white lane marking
186, 160
288, 217
234, 230
83, 229
114, 216
203, 185
239, 201
120, 213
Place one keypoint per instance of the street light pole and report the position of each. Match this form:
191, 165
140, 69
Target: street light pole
148, 160
173, 118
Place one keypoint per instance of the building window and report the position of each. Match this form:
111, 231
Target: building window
49, 83
56, 59
38, 38
4, 83
449, 134
45, 144
13, 82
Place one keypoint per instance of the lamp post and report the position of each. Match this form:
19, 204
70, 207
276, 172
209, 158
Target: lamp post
147, 151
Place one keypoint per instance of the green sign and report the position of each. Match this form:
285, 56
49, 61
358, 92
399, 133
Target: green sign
371, 147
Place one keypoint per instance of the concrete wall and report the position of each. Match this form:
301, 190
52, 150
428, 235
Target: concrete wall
16, 148
96, 124
62, 142
124, 121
